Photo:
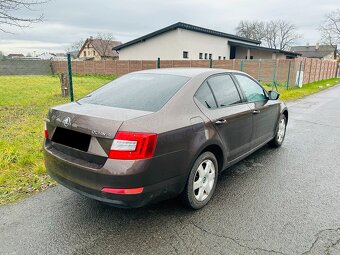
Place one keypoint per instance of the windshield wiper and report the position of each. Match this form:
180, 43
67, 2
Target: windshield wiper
207, 104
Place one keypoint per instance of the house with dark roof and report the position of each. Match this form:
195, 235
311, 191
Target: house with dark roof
323, 52
98, 49
185, 41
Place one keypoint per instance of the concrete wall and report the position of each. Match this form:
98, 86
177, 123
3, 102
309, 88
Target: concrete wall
163, 46
25, 67
170, 46
196, 43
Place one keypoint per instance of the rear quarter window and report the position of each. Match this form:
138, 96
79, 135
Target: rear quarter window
145, 92
205, 96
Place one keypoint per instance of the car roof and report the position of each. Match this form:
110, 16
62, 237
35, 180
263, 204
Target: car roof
188, 72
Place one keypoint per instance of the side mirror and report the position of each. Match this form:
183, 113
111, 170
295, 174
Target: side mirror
273, 95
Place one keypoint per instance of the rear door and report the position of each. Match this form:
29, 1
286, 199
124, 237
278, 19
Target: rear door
222, 103
265, 112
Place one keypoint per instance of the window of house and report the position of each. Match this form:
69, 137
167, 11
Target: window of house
185, 54
201, 56
224, 90
253, 91
94, 53
219, 57
251, 57
205, 55
84, 53
205, 96
223, 58
210, 56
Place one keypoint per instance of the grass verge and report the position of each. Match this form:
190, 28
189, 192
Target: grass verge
293, 93
24, 102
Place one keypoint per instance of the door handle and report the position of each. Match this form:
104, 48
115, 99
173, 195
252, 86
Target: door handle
220, 121
256, 111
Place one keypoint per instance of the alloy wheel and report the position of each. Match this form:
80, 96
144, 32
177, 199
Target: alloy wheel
204, 180
281, 131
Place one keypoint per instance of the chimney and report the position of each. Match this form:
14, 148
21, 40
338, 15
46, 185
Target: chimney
317, 46
91, 37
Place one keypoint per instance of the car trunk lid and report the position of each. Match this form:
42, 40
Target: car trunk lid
88, 128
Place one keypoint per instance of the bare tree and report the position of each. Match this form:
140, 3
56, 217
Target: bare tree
330, 28
10, 18
280, 34
105, 42
75, 46
277, 34
254, 30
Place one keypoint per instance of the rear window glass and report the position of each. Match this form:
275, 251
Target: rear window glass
145, 92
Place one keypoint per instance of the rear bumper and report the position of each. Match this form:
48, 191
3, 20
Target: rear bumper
150, 194
89, 181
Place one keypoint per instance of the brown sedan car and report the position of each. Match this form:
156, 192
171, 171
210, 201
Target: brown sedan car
156, 134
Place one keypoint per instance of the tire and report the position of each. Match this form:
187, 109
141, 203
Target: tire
203, 175
280, 132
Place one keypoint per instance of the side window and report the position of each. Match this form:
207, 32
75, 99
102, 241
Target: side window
253, 91
224, 90
205, 96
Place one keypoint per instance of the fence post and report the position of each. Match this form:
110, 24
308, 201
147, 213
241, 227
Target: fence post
259, 71
158, 63
70, 76
298, 80
241, 65
274, 75
210, 63
288, 78
320, 70
310, 69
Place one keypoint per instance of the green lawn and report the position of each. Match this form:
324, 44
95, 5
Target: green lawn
293, 93
24, 101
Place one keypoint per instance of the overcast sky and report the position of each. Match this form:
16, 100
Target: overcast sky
67, 21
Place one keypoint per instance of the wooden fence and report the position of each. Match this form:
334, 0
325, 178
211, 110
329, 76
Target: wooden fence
266, 70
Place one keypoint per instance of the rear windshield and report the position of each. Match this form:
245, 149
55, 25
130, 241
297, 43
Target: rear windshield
146, 92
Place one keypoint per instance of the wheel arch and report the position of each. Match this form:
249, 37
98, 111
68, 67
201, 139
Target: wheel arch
218, 152
215, 148
285, 113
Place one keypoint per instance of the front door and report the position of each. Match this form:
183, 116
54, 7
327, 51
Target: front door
265, 112
231, 116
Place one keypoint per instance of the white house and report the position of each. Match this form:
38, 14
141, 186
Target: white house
185, 41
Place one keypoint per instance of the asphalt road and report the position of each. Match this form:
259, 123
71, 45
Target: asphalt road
284, 201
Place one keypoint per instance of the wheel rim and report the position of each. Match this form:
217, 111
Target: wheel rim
282, 130
204, 180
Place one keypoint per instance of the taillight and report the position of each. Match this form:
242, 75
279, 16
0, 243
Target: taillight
132, 191
45, 131
131, 145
